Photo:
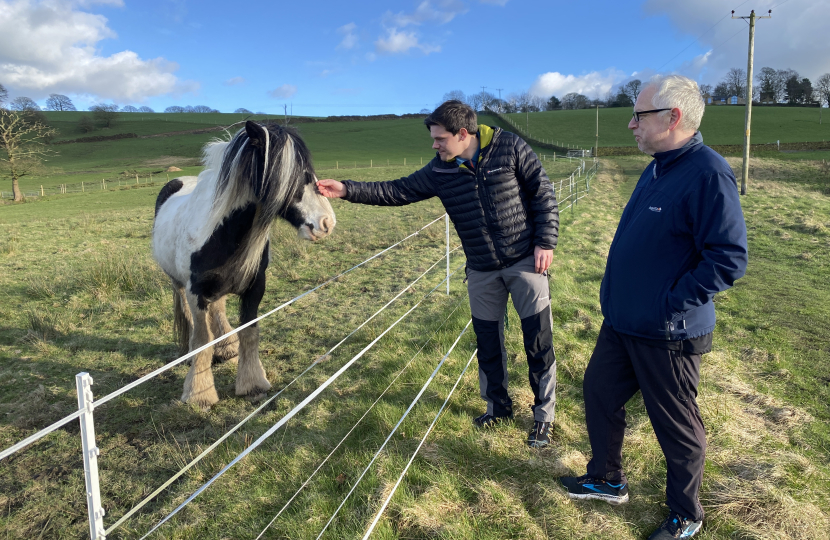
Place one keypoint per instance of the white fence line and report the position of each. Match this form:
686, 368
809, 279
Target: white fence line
394, 429
423, 440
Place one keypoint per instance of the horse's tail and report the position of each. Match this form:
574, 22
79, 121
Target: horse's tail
182, 322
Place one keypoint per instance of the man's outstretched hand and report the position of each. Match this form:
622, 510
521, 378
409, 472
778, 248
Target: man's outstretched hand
331, 188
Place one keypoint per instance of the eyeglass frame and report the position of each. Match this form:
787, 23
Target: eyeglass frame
637, 114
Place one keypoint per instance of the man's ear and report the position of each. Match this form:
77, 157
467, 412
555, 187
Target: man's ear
463, 133
676, 116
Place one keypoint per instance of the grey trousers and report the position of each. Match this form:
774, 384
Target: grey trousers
530, 292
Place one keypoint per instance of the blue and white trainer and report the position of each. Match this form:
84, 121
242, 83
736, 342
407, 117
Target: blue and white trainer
676, 526
586, 487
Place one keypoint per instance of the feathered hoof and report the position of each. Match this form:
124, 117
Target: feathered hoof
255, 392
204, 399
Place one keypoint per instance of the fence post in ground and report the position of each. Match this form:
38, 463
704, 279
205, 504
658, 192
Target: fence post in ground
447, 222
41, 190
404, 162
82, 187
370, 164
336, 164
83, 382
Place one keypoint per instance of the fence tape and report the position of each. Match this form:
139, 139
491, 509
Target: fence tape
429, 430
394, 429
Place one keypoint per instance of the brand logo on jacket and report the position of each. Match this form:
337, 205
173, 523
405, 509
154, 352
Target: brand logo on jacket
655, 208
495, 170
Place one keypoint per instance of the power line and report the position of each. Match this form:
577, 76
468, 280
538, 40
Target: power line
700, 36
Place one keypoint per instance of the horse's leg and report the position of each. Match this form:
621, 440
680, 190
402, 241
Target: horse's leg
198, 385
228, 348
182, 322
250, 376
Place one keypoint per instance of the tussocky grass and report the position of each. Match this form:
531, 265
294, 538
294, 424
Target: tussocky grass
80, 292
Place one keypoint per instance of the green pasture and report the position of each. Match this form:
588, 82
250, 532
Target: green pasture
80, 292
721, 125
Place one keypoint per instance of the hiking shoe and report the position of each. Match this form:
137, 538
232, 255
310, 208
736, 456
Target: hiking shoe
539, 435
488, 420
586, 487
676, 526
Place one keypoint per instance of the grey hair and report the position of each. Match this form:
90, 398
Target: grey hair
677, 91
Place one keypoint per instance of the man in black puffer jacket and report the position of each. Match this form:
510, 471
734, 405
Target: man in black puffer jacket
505, 213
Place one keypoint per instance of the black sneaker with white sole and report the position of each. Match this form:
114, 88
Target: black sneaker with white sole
539, 435
586, 487
488, 420
676, 526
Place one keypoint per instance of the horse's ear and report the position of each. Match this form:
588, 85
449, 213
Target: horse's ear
255, 133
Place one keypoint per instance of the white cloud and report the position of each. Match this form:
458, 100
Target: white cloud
400, 42
234, 81
349, 37
594, 84
285, 91
439, 12
52, 47
790, 39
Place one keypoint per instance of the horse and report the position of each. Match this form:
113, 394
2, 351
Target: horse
211, 237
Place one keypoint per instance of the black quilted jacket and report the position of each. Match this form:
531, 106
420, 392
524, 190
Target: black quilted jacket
500, 212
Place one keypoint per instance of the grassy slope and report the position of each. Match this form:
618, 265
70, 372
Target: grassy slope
721, 125
80, 292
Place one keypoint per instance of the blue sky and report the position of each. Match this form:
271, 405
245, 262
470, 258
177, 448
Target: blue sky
334, 58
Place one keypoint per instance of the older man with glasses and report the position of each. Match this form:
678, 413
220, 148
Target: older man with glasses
681, 239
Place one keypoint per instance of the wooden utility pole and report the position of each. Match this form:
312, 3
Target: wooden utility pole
748, 117
596, 145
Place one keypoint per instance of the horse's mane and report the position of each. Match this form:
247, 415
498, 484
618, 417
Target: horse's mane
270, 171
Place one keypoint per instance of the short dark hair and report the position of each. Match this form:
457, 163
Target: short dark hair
453, 115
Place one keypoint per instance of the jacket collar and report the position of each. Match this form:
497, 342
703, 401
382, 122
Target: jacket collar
664, 160
485, 135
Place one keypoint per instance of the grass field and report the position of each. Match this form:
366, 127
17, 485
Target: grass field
81, 293
375, 143
721, 125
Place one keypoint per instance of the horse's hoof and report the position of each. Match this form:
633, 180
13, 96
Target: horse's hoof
221, 359
256, 398
203, 400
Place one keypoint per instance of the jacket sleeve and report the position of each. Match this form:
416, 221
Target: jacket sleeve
719, 234
409, 189
544, 210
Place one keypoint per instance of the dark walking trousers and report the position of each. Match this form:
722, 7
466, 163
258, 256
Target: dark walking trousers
531, 297
668, 379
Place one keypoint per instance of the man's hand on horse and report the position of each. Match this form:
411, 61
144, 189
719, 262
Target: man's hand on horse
543, 258
331, 188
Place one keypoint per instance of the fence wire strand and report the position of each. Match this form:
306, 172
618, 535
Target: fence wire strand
394, 429
423, 440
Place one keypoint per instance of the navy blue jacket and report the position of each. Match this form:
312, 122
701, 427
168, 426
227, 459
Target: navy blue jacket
681, 239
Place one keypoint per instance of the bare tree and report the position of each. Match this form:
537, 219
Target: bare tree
242, 110
86, 124
203, 109
174, 109
823, 89
4, 95
22, 147
145, 109
782, 76
454, 94
767, 78
474, 101
59, 102
632, 89
105, 114
735, 81
23, 104
705, 89
129, 108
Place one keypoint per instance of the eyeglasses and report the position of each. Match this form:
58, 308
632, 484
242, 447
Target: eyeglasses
638, 114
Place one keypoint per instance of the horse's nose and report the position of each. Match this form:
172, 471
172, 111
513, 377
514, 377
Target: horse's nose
326, 224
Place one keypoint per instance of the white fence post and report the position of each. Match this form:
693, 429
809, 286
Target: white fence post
83, 382
447, 221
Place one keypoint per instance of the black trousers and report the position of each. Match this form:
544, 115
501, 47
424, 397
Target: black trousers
668, 380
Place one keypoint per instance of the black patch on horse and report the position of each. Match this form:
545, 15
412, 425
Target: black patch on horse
169, 189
